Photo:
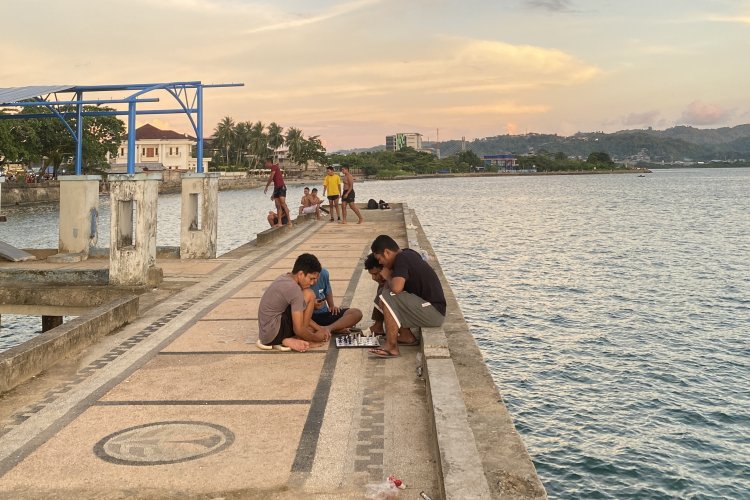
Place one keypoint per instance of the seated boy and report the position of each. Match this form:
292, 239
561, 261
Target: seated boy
284, 306
337, 319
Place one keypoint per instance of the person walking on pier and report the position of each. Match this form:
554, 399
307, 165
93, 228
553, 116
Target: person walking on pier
279, 192
332, 186
412, 295
347, 198
326, 313
284, 306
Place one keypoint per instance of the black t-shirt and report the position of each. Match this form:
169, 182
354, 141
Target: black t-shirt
421, 279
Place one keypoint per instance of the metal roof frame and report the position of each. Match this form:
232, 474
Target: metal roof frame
189, 96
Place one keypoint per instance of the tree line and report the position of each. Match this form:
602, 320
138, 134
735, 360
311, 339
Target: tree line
245, 145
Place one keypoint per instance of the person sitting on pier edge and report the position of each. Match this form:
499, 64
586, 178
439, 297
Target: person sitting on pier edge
273, 219
279, 192
337, 319
412, 295
373, 267
284, 306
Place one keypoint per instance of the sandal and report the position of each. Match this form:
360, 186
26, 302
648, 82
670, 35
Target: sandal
382, 353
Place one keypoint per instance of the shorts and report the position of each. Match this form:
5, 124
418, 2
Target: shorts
348, 198
284, 220
333, 198
328, 318
410, 310
286, 328
309, 210
279, 192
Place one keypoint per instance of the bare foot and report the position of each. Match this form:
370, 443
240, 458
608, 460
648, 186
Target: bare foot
277, 225
298, 345
343, 222
316, 344
360, 221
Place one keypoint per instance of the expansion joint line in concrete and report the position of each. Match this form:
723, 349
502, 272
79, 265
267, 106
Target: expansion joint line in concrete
95, 367
205, 402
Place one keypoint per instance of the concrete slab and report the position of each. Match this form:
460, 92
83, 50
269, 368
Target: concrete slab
261, 375
173, 267
235, 309
67, 466
253, 289
205, 336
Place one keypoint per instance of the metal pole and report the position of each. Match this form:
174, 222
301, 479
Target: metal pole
199, 162
79, 134
131, 137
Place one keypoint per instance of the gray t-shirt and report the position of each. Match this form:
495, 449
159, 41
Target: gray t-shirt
284, 291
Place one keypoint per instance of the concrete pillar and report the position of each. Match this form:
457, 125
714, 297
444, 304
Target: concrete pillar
79, 212
132, 248
199, 215
50, 322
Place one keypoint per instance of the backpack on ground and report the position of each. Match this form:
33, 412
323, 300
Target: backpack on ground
383, 205
372, 204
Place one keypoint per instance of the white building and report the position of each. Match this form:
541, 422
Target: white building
403, 140
166, 148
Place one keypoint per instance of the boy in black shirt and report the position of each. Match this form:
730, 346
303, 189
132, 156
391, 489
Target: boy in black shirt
412, 295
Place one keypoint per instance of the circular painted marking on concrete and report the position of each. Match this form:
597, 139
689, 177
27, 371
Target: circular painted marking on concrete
162, 443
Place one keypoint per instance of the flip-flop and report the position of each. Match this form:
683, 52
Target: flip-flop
409, 344
275, 347
382, 353
261, 345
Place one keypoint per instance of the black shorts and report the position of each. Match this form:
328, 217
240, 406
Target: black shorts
349, 198
279, 192
327, 318
286, 328
333, 198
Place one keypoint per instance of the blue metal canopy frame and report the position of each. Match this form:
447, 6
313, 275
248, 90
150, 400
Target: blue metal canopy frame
189, 96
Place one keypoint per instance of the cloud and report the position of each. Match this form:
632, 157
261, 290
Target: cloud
731, 19
700, 113
551, 5
645, 118
336, 11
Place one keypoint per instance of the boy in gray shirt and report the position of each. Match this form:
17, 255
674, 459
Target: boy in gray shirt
283, 307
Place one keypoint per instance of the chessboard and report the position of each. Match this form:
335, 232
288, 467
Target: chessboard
357, 340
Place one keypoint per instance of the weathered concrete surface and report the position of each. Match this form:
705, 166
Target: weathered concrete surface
199, 215
27, 360
133, 202
79, 211
13, 254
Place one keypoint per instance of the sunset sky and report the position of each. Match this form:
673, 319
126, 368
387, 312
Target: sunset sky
355, 71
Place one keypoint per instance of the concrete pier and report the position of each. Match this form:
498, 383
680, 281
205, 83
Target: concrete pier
181, 403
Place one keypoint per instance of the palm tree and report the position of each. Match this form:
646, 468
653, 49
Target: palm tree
275, 137
224, 134
296, 143
243, 136
258, 146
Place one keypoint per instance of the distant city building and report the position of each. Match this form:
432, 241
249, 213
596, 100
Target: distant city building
167, 149
503, 162
403, 140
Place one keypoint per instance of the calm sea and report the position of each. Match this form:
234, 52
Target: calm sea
612, 310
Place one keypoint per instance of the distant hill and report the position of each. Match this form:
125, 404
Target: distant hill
673, 144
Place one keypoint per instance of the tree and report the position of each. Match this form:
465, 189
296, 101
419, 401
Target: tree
295, 143
599, 158
225, 135
275, 137
243, 136
258, 143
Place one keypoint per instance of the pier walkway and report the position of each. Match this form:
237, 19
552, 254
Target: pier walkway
181, 404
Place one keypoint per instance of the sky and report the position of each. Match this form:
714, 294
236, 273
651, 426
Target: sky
354, 71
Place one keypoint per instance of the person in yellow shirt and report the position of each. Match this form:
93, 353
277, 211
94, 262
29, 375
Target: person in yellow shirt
332, 189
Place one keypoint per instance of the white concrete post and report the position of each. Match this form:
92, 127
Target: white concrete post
199, 215
132, 249
79, 212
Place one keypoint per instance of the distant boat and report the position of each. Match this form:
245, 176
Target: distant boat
641, 175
